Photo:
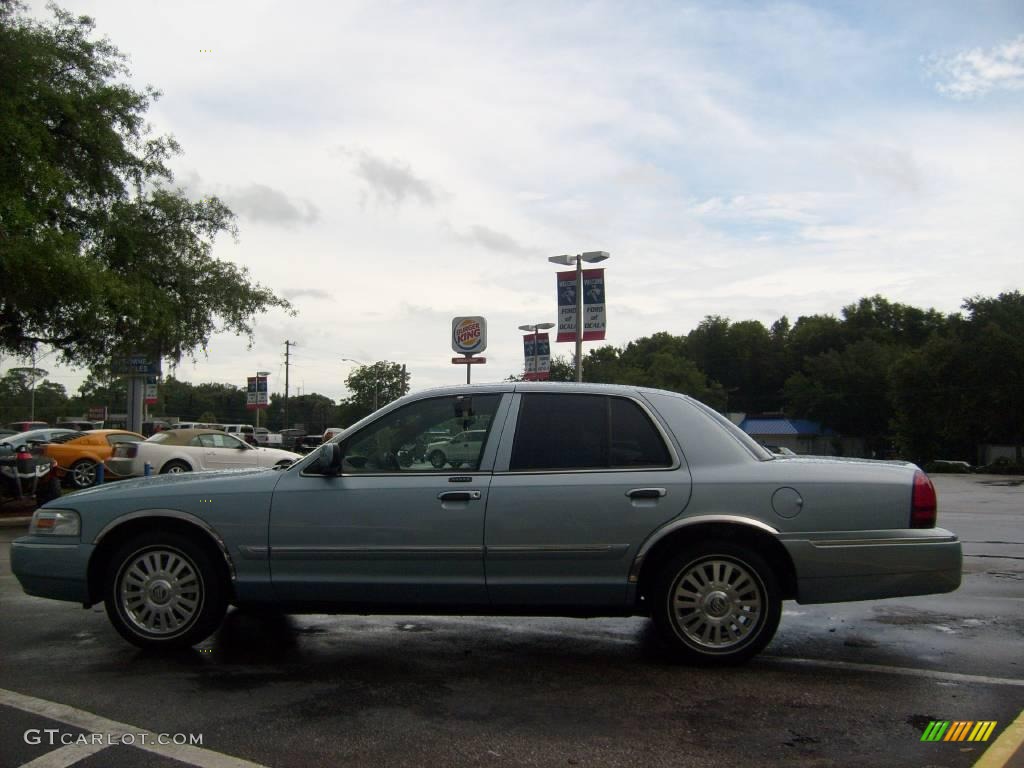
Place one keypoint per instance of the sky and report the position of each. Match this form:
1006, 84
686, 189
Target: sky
395, 164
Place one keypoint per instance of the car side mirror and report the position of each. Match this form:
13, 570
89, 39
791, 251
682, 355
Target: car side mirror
329, 456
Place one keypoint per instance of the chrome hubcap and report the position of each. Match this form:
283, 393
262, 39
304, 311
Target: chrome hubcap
161, 591
717, 603
175, 470
83, 475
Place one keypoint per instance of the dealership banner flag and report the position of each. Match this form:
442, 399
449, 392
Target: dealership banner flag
543, 357
593, 305
256, 394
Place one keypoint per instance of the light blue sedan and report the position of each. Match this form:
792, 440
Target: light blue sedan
580, 500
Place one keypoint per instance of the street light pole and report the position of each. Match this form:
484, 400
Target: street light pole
590, 257
536, 352
260, 374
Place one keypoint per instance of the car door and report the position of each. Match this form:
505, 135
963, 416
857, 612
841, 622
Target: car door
387, 532
580, 482
223, 451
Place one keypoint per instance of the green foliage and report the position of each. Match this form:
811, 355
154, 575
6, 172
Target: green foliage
98, 253
17, 400
372, 387
848, 391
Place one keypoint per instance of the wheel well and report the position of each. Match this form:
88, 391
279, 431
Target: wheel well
761, 542
101, 555
176, 460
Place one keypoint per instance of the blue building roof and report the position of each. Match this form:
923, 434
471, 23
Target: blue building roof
792, 427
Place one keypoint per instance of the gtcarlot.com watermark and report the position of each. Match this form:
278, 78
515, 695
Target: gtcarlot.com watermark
54, 737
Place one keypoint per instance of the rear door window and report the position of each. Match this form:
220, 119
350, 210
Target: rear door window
579, 431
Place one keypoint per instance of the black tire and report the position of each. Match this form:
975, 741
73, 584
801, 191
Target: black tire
172, 467
47, 490
438, 459
164, 591
716, 603
82, 474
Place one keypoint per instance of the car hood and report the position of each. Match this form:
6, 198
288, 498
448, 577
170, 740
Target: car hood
223, 480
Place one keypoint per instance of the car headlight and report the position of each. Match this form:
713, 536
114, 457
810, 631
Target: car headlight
56, 522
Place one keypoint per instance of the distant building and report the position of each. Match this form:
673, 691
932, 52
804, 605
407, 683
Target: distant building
800, 436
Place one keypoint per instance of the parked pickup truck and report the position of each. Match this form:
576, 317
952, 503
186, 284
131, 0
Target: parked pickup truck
265, 437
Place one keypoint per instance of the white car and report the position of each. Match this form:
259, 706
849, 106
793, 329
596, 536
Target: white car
463, 448
193, 450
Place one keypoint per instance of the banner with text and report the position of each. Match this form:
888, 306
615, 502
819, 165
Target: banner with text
593, 305
538, 365
256, 396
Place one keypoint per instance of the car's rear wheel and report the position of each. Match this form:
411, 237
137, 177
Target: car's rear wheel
175, 468
438, 459
82, 474
716, 603
164, 590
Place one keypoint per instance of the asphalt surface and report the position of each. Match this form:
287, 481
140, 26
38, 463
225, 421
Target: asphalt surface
842, 685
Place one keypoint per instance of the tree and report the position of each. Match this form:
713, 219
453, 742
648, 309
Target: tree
848, 391
994, 334
25, 393
374, 386
935, 410
99, 254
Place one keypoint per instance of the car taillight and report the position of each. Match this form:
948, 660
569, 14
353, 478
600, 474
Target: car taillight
924, 503
125, 451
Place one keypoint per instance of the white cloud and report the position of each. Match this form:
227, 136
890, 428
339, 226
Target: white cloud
978, 71
391, 181
734, 160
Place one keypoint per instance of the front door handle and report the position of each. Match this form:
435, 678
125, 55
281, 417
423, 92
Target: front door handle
646, 493
459, 496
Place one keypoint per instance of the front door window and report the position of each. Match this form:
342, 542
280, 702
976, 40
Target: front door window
424, 436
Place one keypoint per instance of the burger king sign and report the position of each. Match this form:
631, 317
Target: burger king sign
469, 335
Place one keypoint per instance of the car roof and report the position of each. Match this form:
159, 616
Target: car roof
184, 436
44, 433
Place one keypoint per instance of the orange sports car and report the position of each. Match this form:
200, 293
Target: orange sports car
78, 453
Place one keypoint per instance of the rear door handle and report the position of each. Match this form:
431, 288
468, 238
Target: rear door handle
646, 493
459, 495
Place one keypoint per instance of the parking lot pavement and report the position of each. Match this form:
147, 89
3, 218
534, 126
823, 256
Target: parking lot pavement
847, 684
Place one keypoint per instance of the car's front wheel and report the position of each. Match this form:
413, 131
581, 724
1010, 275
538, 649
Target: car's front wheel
82, 474
717, 603
164, 590
438, 459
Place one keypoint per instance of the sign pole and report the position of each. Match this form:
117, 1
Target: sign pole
469, 368
579, 319
536, 355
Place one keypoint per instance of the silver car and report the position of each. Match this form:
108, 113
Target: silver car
463, 448
579, 500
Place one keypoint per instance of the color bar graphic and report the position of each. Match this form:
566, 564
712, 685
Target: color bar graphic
959, 730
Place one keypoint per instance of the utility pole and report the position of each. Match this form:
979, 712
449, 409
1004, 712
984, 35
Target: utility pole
287, 353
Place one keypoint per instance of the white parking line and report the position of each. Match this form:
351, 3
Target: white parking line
65, 756
87, 721
953, 677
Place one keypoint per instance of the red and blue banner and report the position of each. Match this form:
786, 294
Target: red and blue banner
538, 363
594, 320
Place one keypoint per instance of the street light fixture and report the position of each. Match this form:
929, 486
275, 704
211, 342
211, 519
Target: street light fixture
591, 257
536, 327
